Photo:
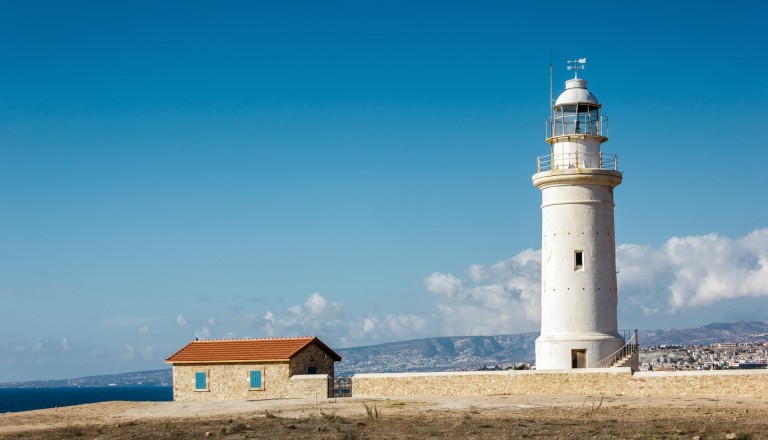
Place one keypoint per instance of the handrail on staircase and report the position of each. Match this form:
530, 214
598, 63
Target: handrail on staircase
628, 349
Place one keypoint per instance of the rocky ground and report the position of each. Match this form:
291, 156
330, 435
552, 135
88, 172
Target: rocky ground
491, 417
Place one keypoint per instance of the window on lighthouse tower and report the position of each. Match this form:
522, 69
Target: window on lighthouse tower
578, 260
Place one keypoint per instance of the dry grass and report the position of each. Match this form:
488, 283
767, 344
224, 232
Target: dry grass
593, 417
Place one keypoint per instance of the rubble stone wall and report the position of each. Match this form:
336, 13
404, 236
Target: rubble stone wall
231, 381
312, 356
309, 386
614, 381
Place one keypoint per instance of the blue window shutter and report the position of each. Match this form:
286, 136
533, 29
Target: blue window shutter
200, 381
255, 378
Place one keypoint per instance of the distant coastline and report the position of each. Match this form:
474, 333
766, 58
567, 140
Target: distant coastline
149, 378
450, 353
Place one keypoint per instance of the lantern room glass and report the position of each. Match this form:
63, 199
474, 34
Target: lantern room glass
576, 119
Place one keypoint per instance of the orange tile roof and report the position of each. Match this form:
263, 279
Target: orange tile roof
236, 350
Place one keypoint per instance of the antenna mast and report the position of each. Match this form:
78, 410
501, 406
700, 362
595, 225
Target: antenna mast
551, 114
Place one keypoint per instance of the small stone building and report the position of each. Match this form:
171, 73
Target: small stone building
231, 369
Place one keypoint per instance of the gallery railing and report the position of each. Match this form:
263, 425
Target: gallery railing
565, 161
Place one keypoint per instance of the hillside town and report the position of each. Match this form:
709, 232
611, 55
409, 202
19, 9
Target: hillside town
720, 356
674, 357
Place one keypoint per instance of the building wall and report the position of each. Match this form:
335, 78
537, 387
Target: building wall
231, 382
578, 303
581, 301
309, 386
312, 356
617, 381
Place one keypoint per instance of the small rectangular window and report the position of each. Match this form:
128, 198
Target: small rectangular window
256, 380
201, 381
578, 260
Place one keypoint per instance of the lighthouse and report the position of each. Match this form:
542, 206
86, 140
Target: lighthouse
578, 262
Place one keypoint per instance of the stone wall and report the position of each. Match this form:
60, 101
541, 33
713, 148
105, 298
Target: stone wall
230, 381
312, 356
309, 386
614, 381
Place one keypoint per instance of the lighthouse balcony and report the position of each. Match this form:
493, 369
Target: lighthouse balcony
577, 160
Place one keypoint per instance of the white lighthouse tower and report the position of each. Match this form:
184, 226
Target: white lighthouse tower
578, 262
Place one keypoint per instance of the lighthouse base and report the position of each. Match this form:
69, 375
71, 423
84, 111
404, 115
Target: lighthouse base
561, 352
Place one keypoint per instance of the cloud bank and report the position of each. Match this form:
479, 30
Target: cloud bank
683, 278
685, 273
503, 298
694, 271
328, 320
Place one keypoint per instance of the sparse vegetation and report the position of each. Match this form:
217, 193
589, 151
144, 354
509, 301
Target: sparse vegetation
595, 408
373, 412
599, 417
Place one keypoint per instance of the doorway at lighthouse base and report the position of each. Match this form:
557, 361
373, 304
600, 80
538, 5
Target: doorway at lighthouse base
553, 353
578, 358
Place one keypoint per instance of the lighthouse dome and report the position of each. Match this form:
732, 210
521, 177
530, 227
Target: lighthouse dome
576, 93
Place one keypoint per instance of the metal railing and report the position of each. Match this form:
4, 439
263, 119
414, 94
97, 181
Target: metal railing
565, 161
630, 347
574, 124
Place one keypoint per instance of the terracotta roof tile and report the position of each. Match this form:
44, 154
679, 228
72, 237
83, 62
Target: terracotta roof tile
234, 350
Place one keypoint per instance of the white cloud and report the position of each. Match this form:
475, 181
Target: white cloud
128, 353
404, 325
694, 271
203, 332
477, 272
371, 328
327, 319
316, 316
144, 330
503, 298
97, 351
19, 348
248, 319
369, 324
181, 321
318, 306
147, 352
65, 345
445, 285
684, 273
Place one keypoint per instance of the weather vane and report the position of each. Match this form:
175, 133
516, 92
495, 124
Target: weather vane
577, 65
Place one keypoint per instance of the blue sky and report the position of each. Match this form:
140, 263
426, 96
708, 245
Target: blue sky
356, 170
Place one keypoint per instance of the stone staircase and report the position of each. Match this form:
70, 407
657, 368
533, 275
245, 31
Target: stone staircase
628, 360
627, 356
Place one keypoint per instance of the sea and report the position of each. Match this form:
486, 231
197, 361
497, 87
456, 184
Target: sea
26, 399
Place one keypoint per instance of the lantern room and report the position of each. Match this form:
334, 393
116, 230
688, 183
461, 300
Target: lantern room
576, 112
575, 131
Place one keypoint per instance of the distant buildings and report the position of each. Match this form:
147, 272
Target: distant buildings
666, 357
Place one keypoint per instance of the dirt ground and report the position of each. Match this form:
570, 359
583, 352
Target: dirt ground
492, 417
